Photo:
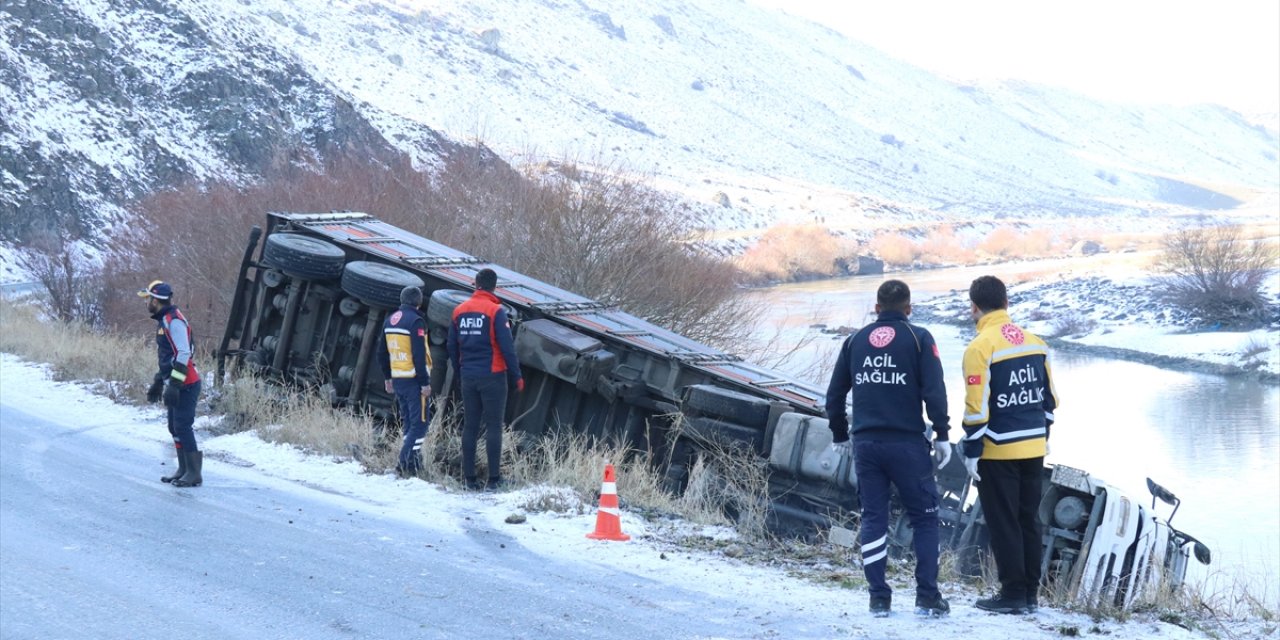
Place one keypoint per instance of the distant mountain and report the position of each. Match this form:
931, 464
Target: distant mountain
771, 117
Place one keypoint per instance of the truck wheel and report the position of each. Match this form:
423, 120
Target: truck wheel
733, 406
377, 284
303, 256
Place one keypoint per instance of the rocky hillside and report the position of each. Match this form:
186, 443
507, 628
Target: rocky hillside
762, 115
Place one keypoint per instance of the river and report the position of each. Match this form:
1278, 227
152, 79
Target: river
1213, 441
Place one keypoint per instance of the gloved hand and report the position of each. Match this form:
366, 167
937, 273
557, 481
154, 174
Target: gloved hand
942, 452
426, 391
1046, 448
386, 385
971, 465
153, 392
842, 448
171, 395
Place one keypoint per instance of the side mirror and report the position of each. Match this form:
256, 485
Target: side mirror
1165, 496
1202, 552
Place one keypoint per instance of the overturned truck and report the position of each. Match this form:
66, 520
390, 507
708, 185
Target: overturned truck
309, 307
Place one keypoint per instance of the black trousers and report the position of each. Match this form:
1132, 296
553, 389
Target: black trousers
1010, 493
484, 401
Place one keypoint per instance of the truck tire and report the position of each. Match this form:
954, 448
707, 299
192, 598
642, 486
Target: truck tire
740, 408
377, 284
303, 257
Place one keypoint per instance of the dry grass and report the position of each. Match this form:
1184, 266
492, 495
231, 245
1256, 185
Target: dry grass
122, 365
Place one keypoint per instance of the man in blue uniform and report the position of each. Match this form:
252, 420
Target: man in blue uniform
406, 363
176, 382
893, 368
483, 353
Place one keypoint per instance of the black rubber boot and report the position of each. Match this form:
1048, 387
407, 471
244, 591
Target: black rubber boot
195, 460
182, 467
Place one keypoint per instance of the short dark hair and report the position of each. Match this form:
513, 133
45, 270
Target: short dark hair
988, 293
487, 279
411, 296
893, 295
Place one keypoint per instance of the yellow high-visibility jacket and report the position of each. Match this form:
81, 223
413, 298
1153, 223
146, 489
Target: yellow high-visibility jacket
1009, 397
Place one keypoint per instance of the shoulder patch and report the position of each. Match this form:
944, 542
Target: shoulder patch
881, 337
935, 351
395, 317
973, 381
1013, 334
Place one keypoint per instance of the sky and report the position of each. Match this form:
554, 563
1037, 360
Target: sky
1173, 51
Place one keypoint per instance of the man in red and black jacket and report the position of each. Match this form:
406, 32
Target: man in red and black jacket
177, 381
483, 354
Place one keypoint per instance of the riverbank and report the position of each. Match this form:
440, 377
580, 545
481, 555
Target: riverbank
1123, 315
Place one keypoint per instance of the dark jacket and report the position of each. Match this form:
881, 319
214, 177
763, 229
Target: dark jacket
404, 355
480, 341
175, 349
893, 367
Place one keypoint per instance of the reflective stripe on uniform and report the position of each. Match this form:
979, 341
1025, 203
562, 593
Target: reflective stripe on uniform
875, 551
1016, 435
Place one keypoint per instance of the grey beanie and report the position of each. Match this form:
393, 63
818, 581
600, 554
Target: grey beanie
411, 296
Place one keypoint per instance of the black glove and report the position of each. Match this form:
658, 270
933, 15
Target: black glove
171, 395
839, 429
153, 392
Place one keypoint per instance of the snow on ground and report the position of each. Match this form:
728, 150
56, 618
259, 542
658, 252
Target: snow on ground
1119, 311
650, 555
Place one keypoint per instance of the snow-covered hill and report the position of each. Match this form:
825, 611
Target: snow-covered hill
772, 117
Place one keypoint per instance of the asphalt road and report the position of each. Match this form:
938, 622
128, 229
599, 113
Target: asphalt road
92, 545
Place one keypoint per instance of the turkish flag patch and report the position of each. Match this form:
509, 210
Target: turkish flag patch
422, 332
974, 380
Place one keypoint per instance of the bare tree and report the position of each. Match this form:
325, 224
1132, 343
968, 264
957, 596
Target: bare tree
72, 282
1216, 273
601, 232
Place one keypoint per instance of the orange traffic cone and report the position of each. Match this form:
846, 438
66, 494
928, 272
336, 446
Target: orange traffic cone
608, 524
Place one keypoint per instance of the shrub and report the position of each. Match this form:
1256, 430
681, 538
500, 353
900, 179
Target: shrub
73, 288
602, 233
1215, 274
1001, 241
1072, 323
790, 251
896, 249
942, 245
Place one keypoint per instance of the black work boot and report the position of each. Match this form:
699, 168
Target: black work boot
880, 606
1003, 604
1033, 603
195, 460
182, 467
934, 607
